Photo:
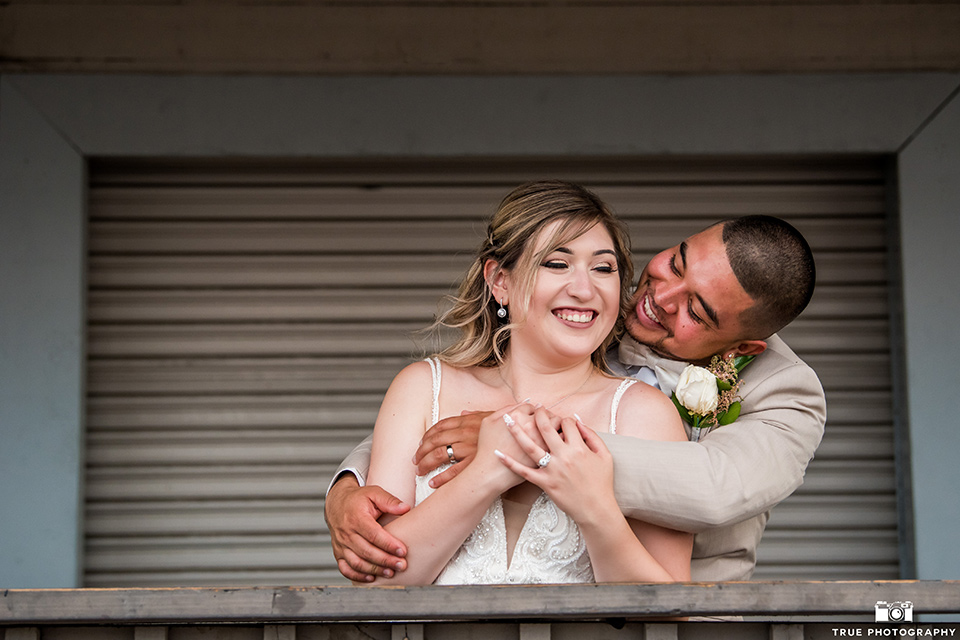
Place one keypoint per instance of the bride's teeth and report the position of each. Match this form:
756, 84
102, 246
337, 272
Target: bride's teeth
576, 316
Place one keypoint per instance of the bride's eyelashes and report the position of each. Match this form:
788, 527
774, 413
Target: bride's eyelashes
606, 268
602, 267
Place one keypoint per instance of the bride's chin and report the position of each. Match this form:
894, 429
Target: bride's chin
577, 354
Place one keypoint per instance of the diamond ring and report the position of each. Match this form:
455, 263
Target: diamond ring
544, 461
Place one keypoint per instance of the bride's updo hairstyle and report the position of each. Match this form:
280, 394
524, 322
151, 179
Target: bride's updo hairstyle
512, 237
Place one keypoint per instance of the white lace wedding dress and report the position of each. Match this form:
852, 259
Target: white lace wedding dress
550, 548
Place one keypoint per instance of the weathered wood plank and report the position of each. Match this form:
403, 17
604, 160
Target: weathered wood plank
464, 603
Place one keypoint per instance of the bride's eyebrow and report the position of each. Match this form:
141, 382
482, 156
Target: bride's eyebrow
599, 252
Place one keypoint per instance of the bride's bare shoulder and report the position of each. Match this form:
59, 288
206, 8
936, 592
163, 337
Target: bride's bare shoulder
412, 378
646, 412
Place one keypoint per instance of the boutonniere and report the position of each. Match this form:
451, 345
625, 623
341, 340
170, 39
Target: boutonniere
706, 397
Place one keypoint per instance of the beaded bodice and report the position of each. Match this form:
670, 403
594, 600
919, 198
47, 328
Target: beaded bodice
550, 548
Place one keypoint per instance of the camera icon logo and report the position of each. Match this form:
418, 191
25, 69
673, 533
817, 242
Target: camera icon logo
893, 611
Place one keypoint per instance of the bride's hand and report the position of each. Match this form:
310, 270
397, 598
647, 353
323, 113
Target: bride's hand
578, 469
497, 439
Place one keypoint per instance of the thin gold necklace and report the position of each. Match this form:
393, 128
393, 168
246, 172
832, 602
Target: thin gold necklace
514, 393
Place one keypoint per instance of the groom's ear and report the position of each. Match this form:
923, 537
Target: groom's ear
746, 348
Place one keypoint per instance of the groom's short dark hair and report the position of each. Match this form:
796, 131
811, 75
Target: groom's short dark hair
774, 265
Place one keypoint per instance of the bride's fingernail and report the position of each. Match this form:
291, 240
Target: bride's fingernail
498, 453
579, 419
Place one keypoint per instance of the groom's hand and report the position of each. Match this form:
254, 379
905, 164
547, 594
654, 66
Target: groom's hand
461, 434
362, 547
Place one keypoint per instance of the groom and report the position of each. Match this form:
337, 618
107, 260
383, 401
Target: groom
724, 291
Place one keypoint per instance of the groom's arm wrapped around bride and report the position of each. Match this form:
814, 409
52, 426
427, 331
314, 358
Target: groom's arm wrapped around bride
722, 487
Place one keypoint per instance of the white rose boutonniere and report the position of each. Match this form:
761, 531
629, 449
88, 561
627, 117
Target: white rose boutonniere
697, 390
706, 397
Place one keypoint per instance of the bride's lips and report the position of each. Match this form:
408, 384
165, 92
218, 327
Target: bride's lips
576, 317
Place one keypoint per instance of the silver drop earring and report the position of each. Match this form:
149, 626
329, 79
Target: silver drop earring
501, 312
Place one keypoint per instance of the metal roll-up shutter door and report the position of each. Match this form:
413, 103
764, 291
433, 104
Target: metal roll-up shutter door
244, 322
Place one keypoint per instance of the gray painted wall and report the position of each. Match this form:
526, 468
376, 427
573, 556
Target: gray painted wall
930, 194
42, 189
49, 124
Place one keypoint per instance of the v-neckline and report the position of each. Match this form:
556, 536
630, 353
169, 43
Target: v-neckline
510, 553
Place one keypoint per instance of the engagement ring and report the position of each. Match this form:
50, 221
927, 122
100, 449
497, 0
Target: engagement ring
510, 421
544, 461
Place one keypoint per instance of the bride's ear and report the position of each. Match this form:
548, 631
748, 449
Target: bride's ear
497, 281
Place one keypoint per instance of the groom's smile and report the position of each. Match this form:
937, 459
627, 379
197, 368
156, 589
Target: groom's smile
645, 309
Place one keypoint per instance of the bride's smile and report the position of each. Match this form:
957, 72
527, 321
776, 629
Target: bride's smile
577, 317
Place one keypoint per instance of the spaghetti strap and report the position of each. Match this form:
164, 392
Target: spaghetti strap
435, 370
626, 384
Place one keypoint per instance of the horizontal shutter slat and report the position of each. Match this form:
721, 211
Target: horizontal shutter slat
442, 203
441, 271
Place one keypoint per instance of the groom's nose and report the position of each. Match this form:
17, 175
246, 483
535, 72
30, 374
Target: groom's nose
667, 295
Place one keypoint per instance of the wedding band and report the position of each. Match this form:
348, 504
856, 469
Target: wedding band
453, 458
510, 421
544, 461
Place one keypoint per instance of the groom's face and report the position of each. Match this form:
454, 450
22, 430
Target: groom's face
688, 302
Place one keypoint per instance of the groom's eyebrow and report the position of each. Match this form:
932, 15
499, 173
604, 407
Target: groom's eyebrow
710, 311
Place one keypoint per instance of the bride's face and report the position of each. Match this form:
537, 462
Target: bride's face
575, 297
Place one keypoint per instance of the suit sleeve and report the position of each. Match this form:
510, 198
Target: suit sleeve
736, 471
357, 463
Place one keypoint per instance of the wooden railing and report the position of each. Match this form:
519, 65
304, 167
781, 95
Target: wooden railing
790, 609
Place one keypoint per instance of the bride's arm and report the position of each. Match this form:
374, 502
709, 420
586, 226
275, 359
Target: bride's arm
435, 529
639, 550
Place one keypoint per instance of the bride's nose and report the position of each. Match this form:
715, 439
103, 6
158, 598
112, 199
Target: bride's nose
580, 285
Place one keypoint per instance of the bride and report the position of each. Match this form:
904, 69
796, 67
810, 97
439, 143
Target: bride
536, 312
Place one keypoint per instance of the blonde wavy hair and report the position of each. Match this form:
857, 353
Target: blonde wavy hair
512, 234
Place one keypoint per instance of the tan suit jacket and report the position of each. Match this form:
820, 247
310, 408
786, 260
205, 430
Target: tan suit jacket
723, 487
